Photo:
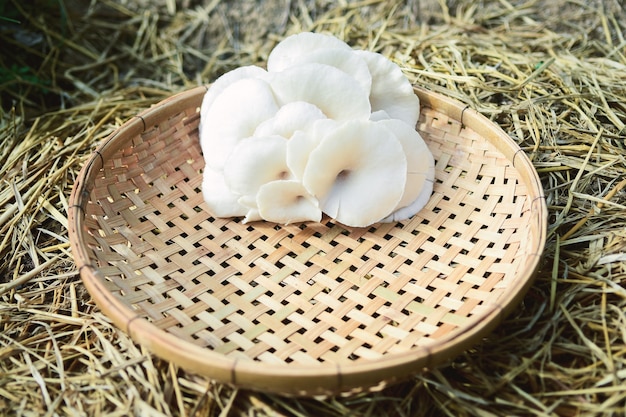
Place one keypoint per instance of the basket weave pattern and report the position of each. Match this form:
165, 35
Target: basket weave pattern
309, 295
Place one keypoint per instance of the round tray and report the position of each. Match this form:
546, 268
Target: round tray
310, 308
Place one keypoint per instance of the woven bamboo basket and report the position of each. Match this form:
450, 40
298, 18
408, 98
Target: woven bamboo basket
311, 308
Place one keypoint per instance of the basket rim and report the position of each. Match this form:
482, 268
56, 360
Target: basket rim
297, 378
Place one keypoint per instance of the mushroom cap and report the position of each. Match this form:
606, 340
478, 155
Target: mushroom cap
420, 171
293, 47
418, 157
287, 201
256, 161
379, 115
234, 115
391, 91
299, 148
218, 197
225, 80
357, 172
338, 95
252, 214
291, 117
419, 203
343, 59
303, 142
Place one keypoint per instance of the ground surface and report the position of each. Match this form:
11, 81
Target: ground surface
552, 74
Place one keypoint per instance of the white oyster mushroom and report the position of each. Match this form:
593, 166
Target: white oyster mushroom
420, 169
225, 80
418, 157
256, 161
344, 60
234, 115
424, 196
299, 148
252, 213
291, 117
357, 172
303, 142
287, 201
418, 204
325, 129
292, 48
218, 197
391, 90
379, 115
338, 95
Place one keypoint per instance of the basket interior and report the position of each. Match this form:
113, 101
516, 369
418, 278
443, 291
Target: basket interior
306, 294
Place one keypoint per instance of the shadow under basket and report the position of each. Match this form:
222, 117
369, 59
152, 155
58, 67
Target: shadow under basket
308, 308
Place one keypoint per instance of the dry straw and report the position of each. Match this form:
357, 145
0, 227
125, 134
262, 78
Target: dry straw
550, 73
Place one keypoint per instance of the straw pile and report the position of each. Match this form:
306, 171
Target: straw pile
552, 74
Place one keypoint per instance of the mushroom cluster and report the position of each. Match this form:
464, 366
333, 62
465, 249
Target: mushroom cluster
325, 129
